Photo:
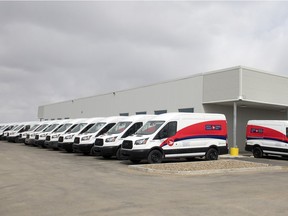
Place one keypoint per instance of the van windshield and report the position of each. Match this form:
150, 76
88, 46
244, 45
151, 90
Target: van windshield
40, 128
149, 128
119, 128
18, 128
78, 127
51, 127
96, 127
33, 127
63, 128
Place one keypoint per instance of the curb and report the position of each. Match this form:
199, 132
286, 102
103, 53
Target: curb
143, 168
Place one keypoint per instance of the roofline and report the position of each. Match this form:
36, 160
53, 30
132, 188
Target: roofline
244, 100
239, 67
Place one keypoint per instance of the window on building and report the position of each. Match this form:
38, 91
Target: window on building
141, 113
168, 130
124, 114
189, 110
158, 112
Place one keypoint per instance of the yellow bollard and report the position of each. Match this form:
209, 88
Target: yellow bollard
234, 151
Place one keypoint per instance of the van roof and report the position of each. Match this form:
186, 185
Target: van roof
114, 119
138, 117
267, 121
178, 115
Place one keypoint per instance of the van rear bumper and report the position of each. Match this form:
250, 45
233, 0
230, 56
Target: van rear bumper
223, 150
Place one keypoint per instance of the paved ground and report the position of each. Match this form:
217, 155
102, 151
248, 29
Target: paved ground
39, 182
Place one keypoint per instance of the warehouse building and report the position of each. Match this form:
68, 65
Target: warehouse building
241, 93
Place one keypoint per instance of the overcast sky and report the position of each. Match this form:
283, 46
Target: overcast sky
57, 51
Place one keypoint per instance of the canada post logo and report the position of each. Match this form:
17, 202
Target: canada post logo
257, 130
213, 127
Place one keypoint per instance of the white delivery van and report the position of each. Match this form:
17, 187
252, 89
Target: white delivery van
40, 138
23, 135
264, 137
14, 135
178, 135
31, 137
66, 140
6, 132
2, 126
84, 142
6, 127
109, 144
52, 138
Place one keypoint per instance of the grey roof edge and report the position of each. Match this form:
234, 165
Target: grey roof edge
263, 72
243, 100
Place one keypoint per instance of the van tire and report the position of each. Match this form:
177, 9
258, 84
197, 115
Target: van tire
211, 154
118, 154
257, 152
92, 152
155, 156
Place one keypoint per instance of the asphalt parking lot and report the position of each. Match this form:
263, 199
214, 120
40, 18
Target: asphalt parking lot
36, 181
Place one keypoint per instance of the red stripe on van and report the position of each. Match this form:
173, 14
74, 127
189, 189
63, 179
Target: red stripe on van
216, 128
256, 131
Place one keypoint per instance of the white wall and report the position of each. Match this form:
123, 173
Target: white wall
170, 96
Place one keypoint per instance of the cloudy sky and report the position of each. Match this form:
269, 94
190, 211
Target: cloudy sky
56, 51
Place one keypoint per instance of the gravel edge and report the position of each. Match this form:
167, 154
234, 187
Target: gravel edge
162, 168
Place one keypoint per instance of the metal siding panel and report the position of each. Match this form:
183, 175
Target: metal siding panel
221, 86
170, 96
263, 87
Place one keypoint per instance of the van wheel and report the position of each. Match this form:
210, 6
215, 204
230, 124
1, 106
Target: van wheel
93, 152
155, 156
257, 152
211, 154
118, 154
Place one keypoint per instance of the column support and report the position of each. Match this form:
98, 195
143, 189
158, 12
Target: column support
234, 124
